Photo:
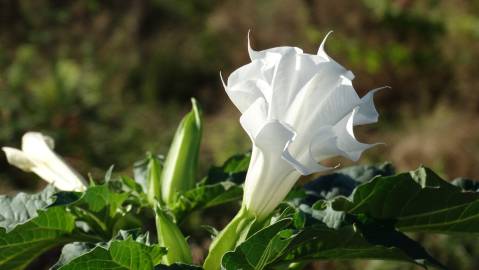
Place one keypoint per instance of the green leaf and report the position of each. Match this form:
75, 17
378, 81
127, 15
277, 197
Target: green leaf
261, 249
103, 209
221, 185
108, 197
22, 207
320, 242
204, 196
102, 197
125, 253
282, 243
419, 201
384, 234
26, 241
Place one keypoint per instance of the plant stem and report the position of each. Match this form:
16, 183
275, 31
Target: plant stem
235, 232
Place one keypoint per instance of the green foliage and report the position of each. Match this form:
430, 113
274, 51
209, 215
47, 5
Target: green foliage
33, 224
29, 228
22, 207
416, 201
127, 253
359, 212
221, 185
323, 224
260, 249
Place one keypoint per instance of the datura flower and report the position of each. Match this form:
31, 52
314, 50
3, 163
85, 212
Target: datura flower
298, 109
37, 156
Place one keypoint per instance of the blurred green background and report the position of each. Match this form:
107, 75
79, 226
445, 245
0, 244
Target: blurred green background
110, 80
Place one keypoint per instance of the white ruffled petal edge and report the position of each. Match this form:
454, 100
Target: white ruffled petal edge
335, 140
275, 137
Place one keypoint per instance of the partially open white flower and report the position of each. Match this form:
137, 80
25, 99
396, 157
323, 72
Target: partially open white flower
298, 110
37, 156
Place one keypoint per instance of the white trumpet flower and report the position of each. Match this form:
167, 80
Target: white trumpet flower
298, 109
37, 156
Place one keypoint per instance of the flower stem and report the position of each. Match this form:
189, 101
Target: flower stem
233, 234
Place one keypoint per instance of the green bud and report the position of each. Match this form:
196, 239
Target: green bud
170, 236
153, 190
179, 172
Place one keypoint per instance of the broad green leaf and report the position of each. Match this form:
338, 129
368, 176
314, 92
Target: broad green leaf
283, 243
102, 209
26, 241
261, 249
419, 201
117, 254
108, 196
22, 207
204, 196
320, 242
101, 197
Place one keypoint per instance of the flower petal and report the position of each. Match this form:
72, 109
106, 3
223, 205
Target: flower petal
293, 71
324, 144
268, 164
48, 165
255, 55
254, 118
346, 140
367, 112
245, 85
324, 100
18, 159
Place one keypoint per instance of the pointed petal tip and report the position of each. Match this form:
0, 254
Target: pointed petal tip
222, 80
251, 51
321, 46
380, 88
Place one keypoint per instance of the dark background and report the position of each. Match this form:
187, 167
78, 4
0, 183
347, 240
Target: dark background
109, 80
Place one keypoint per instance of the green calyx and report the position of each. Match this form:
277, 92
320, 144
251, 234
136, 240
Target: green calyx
231, 236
